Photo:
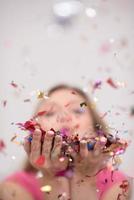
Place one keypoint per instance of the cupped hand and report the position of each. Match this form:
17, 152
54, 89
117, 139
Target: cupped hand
90, 162
46, 155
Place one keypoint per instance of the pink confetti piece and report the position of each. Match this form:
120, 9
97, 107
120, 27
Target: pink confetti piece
28, 125
2, 145
105, 48
13, 84
40, 161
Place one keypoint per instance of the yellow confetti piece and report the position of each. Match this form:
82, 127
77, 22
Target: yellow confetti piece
40, 94
46, 188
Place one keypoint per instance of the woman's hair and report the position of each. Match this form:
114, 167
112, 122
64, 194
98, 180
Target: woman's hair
98, 122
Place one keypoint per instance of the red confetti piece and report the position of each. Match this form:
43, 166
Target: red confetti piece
2, 145
41, 160
41, 113
14, 84
111, 83
28, 125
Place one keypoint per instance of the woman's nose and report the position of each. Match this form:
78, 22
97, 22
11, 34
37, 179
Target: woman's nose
64, 117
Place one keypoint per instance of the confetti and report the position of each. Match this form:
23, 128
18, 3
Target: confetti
13, 84
4, 103
28, 125
105, 47
61, 159
27, 100
111, 83
40, 95
40, 113
90, 12
2, 145
46, 188
13, 138
97, 84
40, 161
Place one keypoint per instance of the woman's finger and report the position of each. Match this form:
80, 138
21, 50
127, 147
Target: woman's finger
27, 145
56, 151
83, 149
59, 162
47, 144
99, 146
36, 145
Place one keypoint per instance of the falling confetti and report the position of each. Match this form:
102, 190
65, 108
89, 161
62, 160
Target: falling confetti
40, 113
13, 138
4, 103
105, 47
111, 83
13, 84
27, 100
97, 85
2, 145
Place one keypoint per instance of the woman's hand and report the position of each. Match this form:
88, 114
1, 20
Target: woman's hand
90, 162
45, 155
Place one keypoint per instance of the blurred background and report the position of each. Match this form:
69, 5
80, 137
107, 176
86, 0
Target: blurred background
86, 43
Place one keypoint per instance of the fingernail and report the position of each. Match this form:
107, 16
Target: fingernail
50, 133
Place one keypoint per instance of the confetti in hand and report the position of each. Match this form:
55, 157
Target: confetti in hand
40, 161
28, 125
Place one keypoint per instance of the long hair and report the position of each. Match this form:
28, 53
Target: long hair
98, 122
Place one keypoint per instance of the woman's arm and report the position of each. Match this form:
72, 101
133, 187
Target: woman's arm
116, 192
13, 191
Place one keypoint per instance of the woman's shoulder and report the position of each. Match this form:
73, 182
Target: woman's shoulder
108, 179
27, 181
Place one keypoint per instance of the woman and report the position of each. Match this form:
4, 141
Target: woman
70, 144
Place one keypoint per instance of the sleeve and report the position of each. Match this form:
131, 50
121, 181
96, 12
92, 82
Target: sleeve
29, 182
107, 178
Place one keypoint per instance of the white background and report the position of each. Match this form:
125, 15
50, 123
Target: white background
37, 52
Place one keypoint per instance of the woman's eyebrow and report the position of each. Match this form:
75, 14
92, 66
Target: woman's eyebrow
72, 102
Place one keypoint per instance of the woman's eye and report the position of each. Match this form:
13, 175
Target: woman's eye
49, 114
78, 111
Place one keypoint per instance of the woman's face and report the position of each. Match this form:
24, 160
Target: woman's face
62, 111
